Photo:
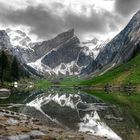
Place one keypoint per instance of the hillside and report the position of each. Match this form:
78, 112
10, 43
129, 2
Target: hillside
125, 73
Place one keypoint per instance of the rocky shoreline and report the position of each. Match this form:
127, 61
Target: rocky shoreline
16, 126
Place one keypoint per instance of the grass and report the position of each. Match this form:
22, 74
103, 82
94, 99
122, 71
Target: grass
126, 73
63, 82
42, 84
70, 81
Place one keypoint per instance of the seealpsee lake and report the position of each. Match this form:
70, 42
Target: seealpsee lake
78, 110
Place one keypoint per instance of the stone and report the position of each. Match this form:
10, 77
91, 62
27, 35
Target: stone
19, 137
34, 134
4, 93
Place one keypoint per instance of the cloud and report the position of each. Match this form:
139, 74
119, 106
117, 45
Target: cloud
41, 21
127, 7
47, 21
100, 22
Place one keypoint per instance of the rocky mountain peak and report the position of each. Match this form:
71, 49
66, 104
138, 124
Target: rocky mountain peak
40, 49
63, 37
135, 21
137, 15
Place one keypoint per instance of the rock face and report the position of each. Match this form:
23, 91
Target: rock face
64, 53
58, 55
42, 48
120, 49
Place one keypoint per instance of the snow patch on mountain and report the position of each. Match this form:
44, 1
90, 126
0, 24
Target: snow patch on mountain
19, 39
94, 46
65, 69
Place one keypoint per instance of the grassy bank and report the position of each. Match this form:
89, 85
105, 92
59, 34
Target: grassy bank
58, 81
42, 84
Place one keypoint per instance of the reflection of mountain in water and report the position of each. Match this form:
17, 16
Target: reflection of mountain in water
79, 111
70, 109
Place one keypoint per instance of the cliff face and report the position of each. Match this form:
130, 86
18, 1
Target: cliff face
42, 48
65, 53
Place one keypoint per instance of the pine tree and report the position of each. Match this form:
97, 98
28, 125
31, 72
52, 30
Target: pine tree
3, 65
15, 69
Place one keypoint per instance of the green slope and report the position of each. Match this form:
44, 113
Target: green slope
128, 72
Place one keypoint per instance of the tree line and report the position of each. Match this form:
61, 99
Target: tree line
10, 69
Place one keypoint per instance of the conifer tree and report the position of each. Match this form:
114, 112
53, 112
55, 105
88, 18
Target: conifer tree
15, 69
3, 65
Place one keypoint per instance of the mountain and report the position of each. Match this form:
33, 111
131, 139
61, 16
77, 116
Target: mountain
119, 50
57, 54
19, 38
63, 54
21, 45
42, 48
94, 46
11, 51
66, 55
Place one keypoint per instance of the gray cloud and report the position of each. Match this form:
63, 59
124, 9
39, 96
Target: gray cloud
127, 7
41, 21
45, 23
96, 23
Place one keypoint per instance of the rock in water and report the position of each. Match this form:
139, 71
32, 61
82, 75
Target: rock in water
4, 93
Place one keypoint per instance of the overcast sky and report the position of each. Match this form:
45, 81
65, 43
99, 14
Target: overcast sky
43, 19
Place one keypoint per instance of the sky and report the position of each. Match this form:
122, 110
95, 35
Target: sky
44, 19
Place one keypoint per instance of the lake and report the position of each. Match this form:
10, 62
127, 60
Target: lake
77, 110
